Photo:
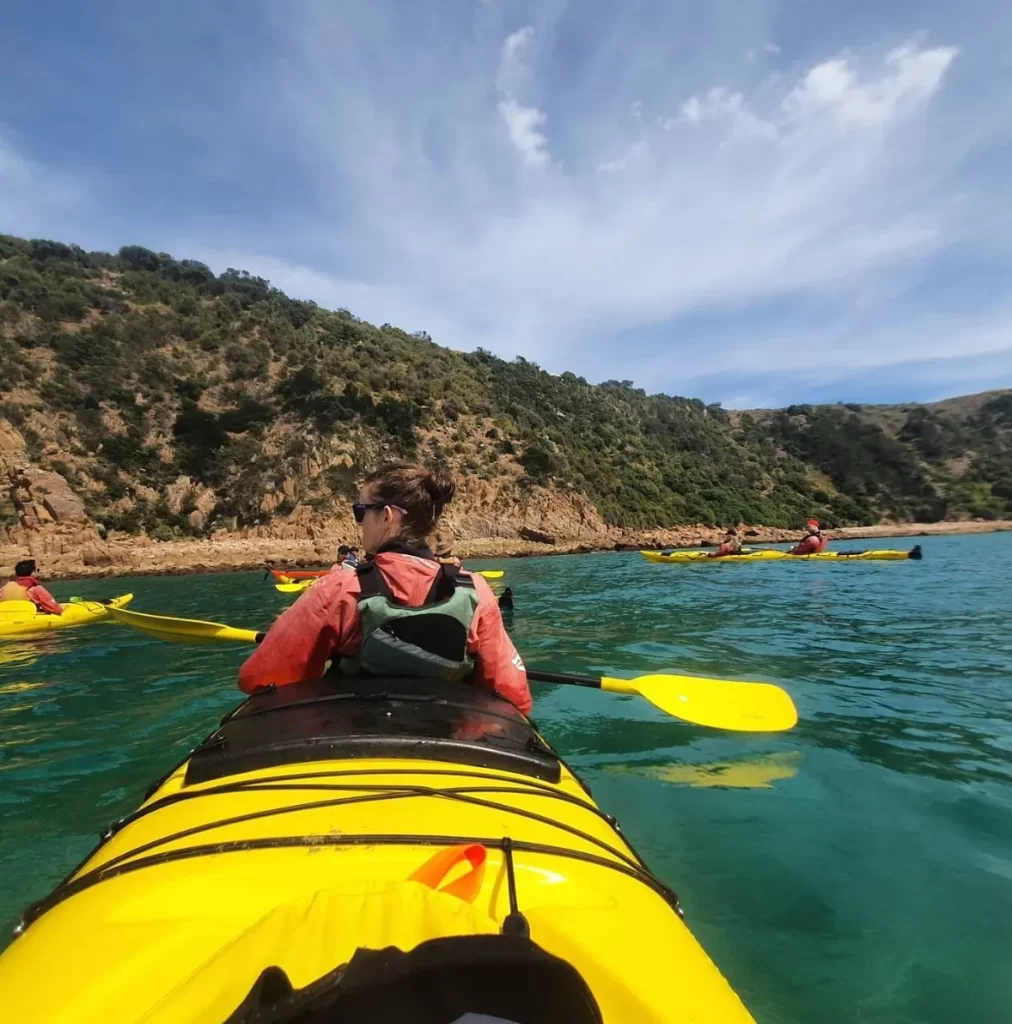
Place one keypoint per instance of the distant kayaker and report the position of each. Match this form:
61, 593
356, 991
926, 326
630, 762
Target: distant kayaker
401, 613
730, 545
814, 542
442, 547
26, 587
346, 557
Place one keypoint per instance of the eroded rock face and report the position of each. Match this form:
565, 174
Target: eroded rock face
12, 447
56, 497
177, 493
53, 524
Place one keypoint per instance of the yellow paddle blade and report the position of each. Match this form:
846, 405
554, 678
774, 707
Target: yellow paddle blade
718, 703
492, 574
164, 627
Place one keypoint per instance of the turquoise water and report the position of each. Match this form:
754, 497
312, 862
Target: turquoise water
858, 868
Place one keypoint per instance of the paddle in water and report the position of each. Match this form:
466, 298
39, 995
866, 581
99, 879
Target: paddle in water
717, 703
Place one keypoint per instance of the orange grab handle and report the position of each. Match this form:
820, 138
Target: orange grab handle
437, 867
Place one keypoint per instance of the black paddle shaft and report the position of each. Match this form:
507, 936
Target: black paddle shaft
560, 677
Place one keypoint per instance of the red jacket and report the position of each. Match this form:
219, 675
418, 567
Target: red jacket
325, 622
811, 545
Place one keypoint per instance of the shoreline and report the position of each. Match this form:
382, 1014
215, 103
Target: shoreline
125, 556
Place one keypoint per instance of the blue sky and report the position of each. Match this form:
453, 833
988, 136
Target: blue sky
751, 202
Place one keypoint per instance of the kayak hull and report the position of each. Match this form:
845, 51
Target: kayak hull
26, 620
299, 863
689, 557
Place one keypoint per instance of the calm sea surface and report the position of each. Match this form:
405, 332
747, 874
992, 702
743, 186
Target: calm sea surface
858, 868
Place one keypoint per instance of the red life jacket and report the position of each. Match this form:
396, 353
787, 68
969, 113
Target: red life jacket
813, 544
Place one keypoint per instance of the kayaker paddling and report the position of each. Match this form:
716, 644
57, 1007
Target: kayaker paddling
26, 587
346, 557
442, 547
814, 542
730, 545
402, 613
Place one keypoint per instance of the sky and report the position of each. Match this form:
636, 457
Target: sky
755, 202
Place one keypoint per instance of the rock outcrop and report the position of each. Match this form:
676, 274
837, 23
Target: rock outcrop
52, 524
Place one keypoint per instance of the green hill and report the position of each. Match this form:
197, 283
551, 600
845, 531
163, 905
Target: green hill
126, 373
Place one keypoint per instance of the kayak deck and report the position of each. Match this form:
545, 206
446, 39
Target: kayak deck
296, 834
881, 555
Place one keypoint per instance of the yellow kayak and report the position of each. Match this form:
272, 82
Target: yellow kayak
293, 586
22, 618
883, 555
410, 850
290, 586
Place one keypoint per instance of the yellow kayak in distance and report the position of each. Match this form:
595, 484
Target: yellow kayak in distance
294, 586
22, 618
289, 586
769, 555
351, 850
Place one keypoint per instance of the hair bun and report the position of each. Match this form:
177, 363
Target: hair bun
440, 486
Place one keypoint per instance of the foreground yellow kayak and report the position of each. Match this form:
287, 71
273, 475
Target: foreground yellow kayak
882, 555
22, 618
412, 851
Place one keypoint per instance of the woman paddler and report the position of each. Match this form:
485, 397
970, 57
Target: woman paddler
402, 612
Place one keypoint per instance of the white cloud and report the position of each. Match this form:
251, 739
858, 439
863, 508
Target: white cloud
637, 152
523, 123
834, 89
512, 65
746, 197
724, 105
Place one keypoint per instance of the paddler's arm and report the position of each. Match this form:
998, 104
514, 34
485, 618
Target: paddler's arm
303, 638
44, 601
498, 666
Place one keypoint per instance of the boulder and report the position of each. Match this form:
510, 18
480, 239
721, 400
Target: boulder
96, 553
56, 497
536, 536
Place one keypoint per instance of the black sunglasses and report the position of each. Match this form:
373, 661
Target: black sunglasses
359, 509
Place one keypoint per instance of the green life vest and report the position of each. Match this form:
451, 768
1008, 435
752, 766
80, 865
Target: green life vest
429, 641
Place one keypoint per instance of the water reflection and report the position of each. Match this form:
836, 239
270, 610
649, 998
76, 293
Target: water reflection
748, 773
